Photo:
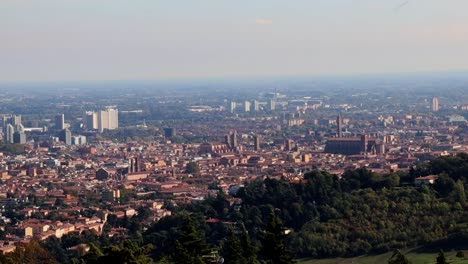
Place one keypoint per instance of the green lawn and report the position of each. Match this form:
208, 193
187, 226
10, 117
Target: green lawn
415, 258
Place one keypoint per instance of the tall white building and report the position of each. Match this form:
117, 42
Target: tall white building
247, 106
435, 104
9, 134
232, 106
108, 119
91, 119
256, 106
272, 105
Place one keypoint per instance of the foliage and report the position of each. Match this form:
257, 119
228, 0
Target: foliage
192, 168
274, 250
33, 252
441, 258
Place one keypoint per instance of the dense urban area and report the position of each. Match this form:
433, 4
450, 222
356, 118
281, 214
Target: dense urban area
233, 171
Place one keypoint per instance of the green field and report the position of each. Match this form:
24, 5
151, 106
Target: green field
415, 258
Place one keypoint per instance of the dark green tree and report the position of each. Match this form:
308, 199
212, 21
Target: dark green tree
248, 250
191, 246
192, 168
441, 258
274, 250
125, 252
33, 252
232, 248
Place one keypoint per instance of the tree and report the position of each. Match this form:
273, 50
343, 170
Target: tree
444, 184
458, 193
126, 252
441, 258
238, 249
192, 168
248, 249
274, 250
33, 252
191, 246
233, 250
398, 258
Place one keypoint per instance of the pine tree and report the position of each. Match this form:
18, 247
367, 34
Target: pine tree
274, 250
248, 250
238, 249
191, 247
233, 253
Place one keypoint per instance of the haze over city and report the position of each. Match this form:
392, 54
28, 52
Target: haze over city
153, 40
233, 132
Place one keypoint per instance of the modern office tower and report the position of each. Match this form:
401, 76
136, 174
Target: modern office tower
15, 121
103, 120
435, 104
91, 120
65, 136
60, 122
169, 132
78, 140
247, 106
113, 118
256, 143
272, 105
19, 137
232, 106
9, 134
339, 123
108, 119
255, 106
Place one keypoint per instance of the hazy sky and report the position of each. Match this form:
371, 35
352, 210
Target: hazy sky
172, 39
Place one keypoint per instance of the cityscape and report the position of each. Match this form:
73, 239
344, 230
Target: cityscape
247, 132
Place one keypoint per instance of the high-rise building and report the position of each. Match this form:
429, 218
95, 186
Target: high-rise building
9, 134
60, 122
113, 118
247, 106
435, 104
108, 119
232, 106
255, 106
169, 132
78, 140
339, 123
65, 136
91, 120
15, 121
19, 137
272, 105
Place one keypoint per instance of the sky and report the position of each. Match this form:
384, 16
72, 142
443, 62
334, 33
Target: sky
49, 40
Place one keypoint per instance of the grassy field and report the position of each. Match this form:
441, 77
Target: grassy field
415, 258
